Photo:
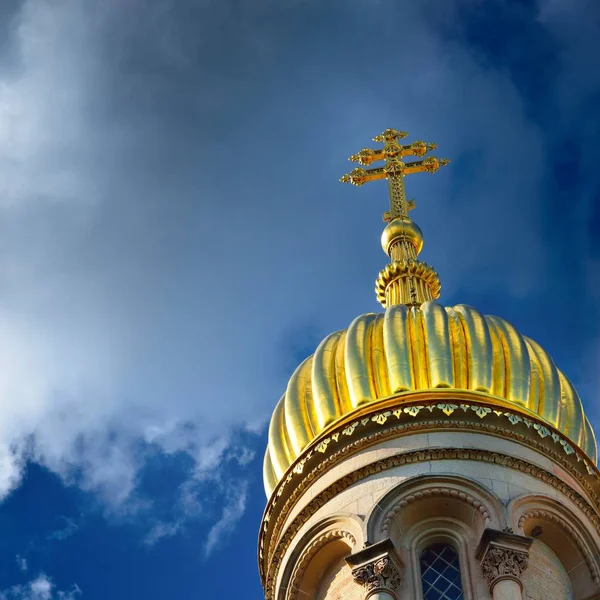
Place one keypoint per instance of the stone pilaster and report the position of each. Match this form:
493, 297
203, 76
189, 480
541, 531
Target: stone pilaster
504, 556
377, 570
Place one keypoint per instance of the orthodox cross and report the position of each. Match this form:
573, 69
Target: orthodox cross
394, 169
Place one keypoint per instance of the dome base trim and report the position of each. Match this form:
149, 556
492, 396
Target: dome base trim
429, 397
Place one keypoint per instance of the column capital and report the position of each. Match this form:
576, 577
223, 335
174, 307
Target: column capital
376, 568
503, 555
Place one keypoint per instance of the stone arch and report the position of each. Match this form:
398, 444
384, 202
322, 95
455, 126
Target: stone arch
321, 547
459, 497
554, 524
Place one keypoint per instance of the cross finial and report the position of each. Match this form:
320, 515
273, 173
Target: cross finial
406, 280
394, 169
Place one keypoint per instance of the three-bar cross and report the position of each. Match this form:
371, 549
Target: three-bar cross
394, 169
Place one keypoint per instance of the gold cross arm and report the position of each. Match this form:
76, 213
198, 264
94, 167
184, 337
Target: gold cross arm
361, 176
390, 135
430, 165
367, 156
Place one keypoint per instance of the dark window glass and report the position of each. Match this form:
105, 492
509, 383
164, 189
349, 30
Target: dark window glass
440, 573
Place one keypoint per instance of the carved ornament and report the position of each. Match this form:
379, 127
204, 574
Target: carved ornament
500, 563
503, 555
376, 568
434, 492
381, 575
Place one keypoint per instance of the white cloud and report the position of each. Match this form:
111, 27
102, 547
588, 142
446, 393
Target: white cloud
160, 531
40, 588
22, 563
233, 510
69, 528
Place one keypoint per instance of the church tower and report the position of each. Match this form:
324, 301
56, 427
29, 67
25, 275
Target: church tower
428, 452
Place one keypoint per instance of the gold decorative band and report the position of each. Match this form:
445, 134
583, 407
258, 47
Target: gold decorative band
400, 280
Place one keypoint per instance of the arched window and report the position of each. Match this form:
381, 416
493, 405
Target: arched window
440, 573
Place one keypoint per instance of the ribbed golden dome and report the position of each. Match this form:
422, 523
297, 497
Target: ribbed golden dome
403, 350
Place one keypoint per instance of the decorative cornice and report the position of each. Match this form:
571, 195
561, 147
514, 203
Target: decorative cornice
308, 554
434, 492
571, 532
503, 555
420, 456
376, 568
378, 425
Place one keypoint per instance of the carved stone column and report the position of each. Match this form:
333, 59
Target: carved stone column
504, 556
377, 570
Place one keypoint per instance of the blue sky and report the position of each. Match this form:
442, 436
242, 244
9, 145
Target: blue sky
174, 240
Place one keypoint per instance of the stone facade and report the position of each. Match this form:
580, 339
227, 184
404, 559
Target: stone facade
524, 524
337, 584
546, 577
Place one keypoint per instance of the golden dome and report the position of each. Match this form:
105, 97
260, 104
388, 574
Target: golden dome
405, 350
416, 345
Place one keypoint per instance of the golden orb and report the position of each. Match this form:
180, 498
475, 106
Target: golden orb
401, 229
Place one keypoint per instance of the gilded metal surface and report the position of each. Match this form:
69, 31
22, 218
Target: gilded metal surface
421, 348
416, 344
394, 169
406, 280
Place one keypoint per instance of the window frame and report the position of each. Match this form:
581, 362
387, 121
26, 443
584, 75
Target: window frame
441, 547
447, 531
